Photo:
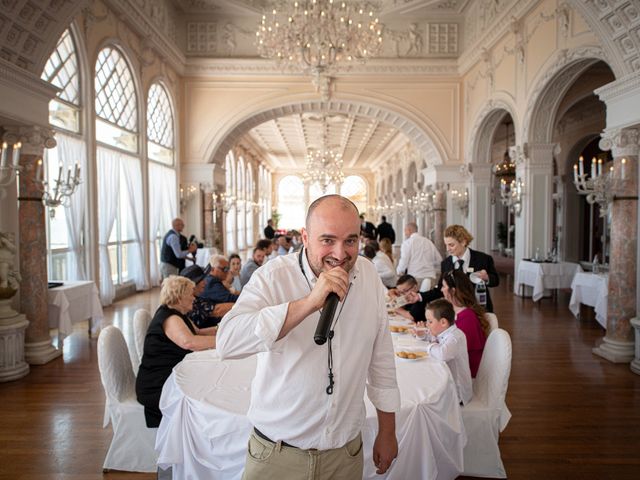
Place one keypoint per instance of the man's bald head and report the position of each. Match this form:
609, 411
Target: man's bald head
331, 202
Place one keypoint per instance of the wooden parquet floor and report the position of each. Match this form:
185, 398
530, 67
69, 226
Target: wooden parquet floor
575, 415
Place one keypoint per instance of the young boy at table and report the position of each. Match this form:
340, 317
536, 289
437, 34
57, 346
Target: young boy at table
448, 343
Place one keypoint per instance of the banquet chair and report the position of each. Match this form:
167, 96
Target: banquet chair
425, 285
492, 319
132, 447
141, 321
487, 414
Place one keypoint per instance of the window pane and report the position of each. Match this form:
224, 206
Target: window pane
115, 101
355, 189
62, 70
291, 203
159, 124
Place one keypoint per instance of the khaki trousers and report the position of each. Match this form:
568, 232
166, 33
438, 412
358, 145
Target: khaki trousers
273, 461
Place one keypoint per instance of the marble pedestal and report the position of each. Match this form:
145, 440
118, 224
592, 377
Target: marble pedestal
635, 363
12, 328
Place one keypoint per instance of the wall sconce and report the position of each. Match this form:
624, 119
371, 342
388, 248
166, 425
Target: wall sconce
9, 170
187, 194
223, 201
460, 199
62, 189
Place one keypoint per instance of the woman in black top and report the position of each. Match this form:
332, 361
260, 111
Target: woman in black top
169, 338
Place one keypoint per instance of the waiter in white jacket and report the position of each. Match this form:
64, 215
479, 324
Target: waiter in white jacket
307, 401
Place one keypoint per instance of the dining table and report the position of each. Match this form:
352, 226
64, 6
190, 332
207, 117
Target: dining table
590, 289
204, 429
542, 276
73, 302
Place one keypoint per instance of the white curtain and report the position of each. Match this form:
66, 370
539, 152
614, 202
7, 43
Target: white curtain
108, 191
133, 180
71, 151
155, 214
162, 210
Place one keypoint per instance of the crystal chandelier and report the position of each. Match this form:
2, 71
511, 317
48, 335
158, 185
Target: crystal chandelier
324, 167
62, 187
598, 187
319, 36
505, 169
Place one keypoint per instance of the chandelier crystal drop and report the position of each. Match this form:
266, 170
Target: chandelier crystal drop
319, 36
507, 168
324, 167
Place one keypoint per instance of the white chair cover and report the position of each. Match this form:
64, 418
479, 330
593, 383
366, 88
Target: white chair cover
487, 414
492, 319
132, 446
141, 321
425, 285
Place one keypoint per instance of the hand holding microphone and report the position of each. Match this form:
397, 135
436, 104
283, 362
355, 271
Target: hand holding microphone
332, 285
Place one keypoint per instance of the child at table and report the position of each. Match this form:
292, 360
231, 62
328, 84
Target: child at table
448, 343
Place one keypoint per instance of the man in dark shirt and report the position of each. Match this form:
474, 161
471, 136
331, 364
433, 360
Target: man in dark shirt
385, 230
174, 249
367, 228
269, 231
215, 291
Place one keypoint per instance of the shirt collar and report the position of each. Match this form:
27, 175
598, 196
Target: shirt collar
446, 333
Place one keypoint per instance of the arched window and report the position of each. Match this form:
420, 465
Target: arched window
291, 203
162, 174
240, 195
355, 189
116, 101
230, 223
316, 192
119, 174
65, 230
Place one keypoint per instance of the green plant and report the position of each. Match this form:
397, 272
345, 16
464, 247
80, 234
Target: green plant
275, 216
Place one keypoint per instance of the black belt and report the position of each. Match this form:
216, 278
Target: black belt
264, 437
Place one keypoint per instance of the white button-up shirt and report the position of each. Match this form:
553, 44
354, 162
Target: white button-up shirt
419, 257
451, 347
466, 258
288, 397
384, 267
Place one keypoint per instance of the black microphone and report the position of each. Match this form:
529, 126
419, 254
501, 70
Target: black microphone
326, 317
192, 239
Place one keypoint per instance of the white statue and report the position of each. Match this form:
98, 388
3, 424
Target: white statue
415, 41
9, 277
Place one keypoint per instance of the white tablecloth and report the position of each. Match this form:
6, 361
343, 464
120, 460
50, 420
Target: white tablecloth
203, 255
74, 302
204, 429
590, 289
544, 276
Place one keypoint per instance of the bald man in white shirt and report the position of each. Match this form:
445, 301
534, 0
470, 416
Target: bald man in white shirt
419, 257
307, 401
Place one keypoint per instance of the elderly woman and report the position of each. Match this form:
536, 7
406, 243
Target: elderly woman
169, 338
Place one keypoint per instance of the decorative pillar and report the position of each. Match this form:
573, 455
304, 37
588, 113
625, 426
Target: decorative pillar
481, 222
617, 345
33, 247
208, 214
534, 229
440, 218
12, 323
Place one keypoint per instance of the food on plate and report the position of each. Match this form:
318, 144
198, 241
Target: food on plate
411, 355
398, 328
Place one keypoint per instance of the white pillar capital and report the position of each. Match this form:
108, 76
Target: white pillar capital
621, 141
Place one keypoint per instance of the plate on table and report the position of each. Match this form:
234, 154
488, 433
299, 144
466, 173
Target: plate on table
399, 329
411, 355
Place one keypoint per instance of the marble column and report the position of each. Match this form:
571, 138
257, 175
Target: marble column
33, 248
635, 363
440, 219
207, 215
617, 345
480, 211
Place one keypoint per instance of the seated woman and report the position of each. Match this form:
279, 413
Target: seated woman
169, 338
232, 282
470, 318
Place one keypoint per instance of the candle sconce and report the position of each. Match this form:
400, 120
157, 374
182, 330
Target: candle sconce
460, 199
9, 170
187, 194
511, 195
62, 188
